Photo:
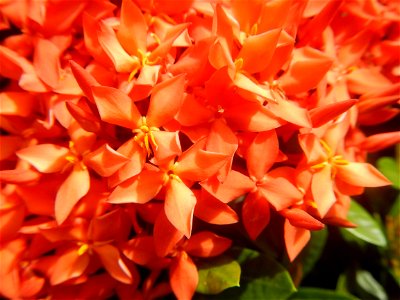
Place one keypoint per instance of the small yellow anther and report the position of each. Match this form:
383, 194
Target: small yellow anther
238, 63
176, 177
82, 249
326, 147
311, 203
254, 29
319, 166
339, 160
71, 158
156, 38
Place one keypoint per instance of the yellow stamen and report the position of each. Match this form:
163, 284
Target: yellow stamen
133, 73
238, 64
326, 147
311, 203
71, 159
338, 160
82, 249
146, 144
176, 177
145, 137
319, 166
167, 18
351, 69
156, 38
254, 29
152, 139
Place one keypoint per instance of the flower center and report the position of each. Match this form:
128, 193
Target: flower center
73, 157
145, 137
83, 249
331, 159
144, 59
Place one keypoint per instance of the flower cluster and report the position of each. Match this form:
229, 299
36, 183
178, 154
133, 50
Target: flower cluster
131, 129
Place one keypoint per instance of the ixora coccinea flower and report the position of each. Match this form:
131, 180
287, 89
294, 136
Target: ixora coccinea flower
331, 171
195, 164
145, 142
75, 159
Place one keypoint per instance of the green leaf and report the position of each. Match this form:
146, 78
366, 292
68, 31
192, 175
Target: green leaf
341, 285
262, 278
392, 232
395, 209
391, 169
218, 274
316, 293
314, 249
367, 228
368, 284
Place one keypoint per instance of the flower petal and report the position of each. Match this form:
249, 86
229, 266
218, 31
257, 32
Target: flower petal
46, 158
318, 23
46, 61
235, 185
322, 190
299, 218
105, 160
17, 104
132, 31
192, 112
361, 174
113, 263
123, 62
69, 265
140, 250
380, 141
165, 101
211, 210
295, 239
207, 244
84, 79
70, 192
251, 116
306, 70
179, 206
197, 164
166, 236
116, 107
257, 50
137, 158
280, 192
265, 143
291, 112
255, 214
168, 145
323, 114
183, 276
139, 189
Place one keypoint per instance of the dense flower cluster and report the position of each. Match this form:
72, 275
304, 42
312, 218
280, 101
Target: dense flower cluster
125, 124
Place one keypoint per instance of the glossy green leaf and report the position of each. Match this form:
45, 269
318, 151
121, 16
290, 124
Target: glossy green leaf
391, 169
316, 293
367, 228
217, 275
313, 250
370, 286
341, 285
262, 275
395, 209
392, 232
262, 278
